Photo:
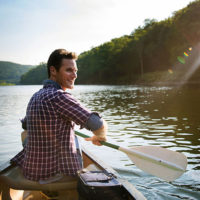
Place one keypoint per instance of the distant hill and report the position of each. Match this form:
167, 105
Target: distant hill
169, 46
167, 51
35, 76
11, 72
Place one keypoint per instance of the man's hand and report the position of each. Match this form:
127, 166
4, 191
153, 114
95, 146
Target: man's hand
99, 135
96, 140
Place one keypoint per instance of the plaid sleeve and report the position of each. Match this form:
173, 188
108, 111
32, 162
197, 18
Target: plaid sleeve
71, 110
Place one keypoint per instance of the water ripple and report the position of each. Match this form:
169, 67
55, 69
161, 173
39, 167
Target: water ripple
136, 116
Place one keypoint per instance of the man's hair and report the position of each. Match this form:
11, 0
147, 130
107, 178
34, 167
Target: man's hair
56, 57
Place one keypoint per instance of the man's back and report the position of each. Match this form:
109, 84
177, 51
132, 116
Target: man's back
51, 149
50, 118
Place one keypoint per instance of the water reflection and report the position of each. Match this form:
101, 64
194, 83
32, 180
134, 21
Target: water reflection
154, 116
159, 116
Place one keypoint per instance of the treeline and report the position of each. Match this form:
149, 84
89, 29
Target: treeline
11, 72
156, 51
35, 76
156, 46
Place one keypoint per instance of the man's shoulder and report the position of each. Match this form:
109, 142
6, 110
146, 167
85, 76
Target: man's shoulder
46, 94
54, 93
64, 95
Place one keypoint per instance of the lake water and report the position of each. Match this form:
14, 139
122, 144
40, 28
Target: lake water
160, 116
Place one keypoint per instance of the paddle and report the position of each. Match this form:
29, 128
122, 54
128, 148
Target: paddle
160, 162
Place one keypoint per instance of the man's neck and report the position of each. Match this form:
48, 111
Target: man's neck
53, 82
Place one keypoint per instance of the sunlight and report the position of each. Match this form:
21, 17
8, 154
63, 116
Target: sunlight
181, 59
195, 64
75, 25
180, 73
170, 71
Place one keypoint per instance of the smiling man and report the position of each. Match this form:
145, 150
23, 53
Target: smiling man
50, 153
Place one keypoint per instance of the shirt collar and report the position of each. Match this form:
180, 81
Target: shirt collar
49, 82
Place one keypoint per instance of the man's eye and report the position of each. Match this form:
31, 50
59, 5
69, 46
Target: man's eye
70, 70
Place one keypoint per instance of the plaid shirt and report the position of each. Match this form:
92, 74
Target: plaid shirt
50, 115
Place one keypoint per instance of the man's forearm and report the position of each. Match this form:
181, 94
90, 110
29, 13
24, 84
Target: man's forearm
101, 132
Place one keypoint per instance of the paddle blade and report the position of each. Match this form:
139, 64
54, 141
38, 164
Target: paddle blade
160, 162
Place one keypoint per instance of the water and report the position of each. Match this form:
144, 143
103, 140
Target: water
160, 116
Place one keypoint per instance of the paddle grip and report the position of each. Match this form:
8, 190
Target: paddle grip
103, 143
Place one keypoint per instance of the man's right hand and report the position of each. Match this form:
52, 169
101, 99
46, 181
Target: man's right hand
99, 135
96, 140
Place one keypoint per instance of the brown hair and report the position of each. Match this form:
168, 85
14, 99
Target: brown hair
56, 57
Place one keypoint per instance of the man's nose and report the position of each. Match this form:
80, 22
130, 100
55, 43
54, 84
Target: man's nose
75, 75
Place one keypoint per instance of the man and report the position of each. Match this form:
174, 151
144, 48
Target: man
50, 118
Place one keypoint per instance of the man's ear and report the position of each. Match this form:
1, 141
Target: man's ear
53, 71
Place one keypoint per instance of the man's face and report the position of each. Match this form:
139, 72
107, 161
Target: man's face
67, 74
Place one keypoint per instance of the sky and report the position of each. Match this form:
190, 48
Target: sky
31, 30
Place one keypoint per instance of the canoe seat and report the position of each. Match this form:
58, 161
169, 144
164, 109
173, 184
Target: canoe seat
13, 178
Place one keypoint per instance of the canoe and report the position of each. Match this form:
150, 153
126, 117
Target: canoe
13, 185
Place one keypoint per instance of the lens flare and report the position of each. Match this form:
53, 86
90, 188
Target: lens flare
190, 49
170, 71
185, 54
181, 59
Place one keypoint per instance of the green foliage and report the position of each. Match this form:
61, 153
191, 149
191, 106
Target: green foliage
11, 72
151, 53
153, 47
101, 61
3, 83
35, 76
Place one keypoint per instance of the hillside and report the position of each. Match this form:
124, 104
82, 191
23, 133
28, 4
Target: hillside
11, 72
167, 51
169, 45
35, 76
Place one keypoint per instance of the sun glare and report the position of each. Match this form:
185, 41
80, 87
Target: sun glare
195, 64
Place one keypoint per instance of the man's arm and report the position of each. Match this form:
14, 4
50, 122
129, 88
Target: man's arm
71, 110
99, 128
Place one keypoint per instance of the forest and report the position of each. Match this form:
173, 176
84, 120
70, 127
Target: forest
35, 76
166, 51
10, 73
